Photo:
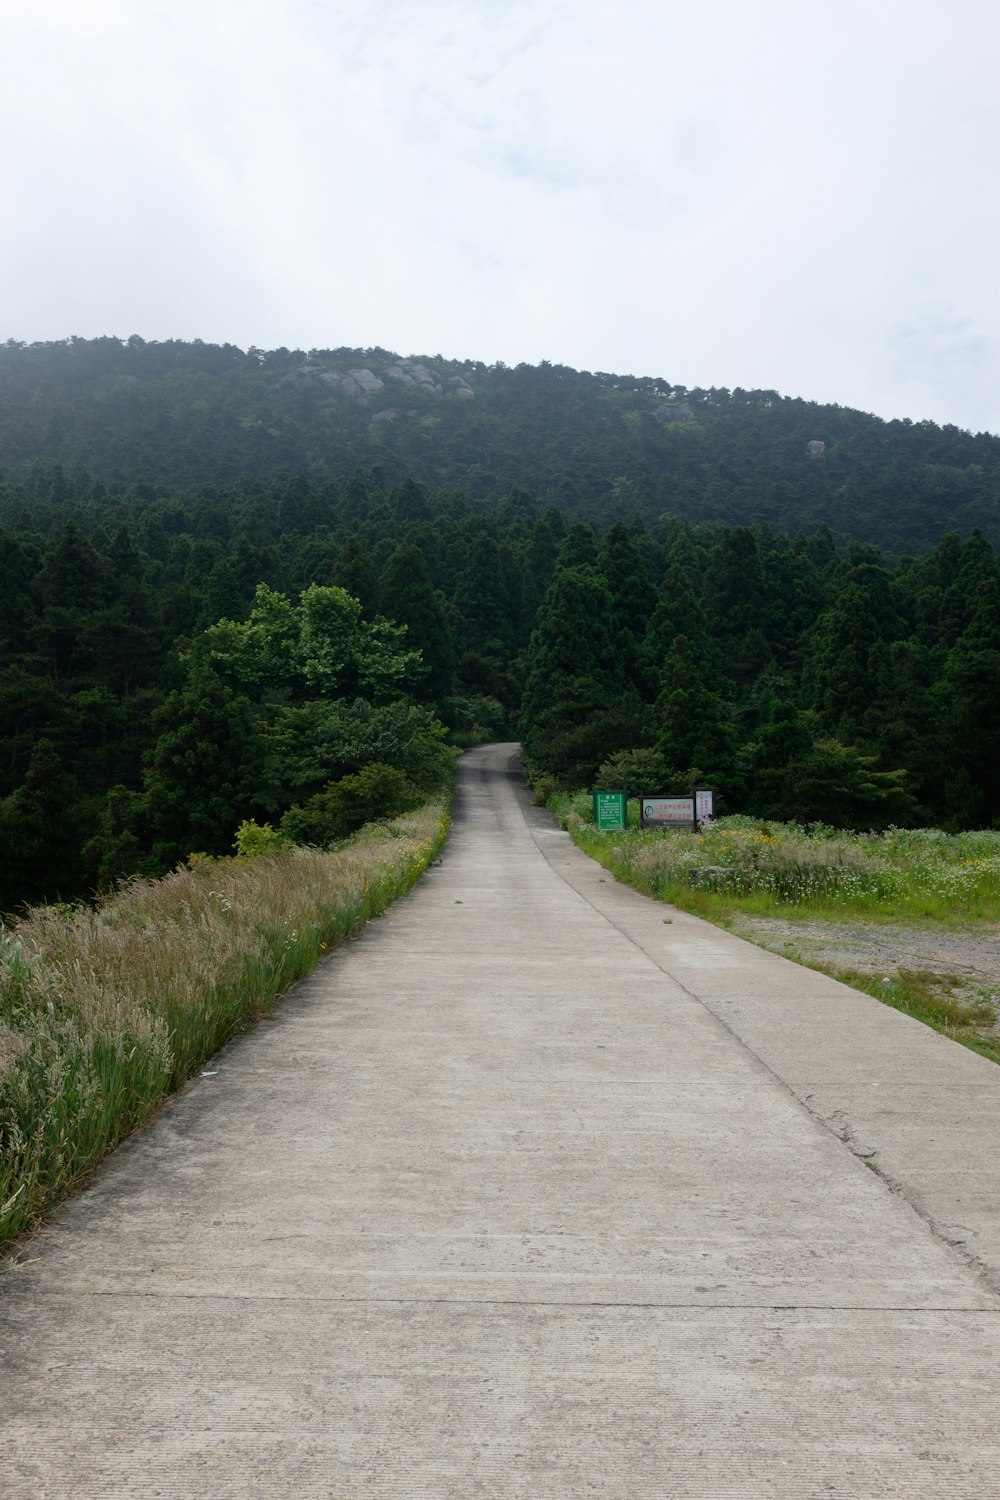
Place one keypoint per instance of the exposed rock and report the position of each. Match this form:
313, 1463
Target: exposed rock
414, 375
680, 413
388, 415
304, 372
815, 449
366, 381
355, 383
360, 383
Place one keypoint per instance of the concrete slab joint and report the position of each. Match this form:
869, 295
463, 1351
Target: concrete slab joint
526, 1194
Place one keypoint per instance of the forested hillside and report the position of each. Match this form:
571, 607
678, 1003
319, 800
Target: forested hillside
265, 586
602, 447
179, 661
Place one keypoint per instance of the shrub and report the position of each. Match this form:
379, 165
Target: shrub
639, 770
254, 839
343, 806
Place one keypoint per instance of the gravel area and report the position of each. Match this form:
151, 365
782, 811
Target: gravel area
973, 957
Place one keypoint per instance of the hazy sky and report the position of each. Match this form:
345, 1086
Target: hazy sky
797, 194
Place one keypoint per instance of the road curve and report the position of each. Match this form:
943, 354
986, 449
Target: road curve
538, 1189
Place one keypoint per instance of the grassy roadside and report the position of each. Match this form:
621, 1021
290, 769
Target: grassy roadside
106, 1010
743, 867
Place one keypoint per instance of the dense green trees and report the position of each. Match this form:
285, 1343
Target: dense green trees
578, 704
804, 685
180, 655
600, 447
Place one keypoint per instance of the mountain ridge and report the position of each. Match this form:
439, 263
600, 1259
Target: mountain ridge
602, 446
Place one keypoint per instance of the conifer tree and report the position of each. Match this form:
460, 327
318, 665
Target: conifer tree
620, 563
577, 709
355, 572
677, 612
693, 726
733, 601
842, 662
409, 598
969, 717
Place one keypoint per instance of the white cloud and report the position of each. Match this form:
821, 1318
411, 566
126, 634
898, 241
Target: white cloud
788, 196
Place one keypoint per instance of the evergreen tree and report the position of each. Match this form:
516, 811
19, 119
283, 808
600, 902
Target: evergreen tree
41, 826
693, 727
409, 598
70, 585
733, 601
843, 659
579, 548
354, 571
482, 602
677, 613
620, 563
204, 771
969, 719
577, 709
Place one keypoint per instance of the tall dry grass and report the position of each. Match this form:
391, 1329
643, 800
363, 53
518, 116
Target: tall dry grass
105, 1010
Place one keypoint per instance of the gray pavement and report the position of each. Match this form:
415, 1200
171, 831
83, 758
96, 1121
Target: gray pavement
538, 1189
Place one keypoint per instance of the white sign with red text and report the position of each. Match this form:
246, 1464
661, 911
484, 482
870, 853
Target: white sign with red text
668, 810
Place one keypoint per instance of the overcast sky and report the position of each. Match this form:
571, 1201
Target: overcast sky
794, 194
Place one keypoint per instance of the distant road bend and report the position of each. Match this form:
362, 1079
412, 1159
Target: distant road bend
539, 1189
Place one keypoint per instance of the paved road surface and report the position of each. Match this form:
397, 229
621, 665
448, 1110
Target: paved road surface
531, 1193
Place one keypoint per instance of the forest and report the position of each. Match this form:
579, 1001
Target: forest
600, 446
184, 650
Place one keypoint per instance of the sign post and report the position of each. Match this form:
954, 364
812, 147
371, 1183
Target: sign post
611, 809
667, 812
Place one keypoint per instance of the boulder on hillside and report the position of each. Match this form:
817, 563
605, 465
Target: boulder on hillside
411, 374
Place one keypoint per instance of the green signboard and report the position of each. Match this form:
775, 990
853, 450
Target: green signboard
610, 809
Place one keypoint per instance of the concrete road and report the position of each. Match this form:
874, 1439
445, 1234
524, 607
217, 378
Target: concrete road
536, 1190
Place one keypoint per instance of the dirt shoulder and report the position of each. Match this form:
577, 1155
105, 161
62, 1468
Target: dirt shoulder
972, 957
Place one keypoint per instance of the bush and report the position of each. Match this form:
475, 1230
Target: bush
543, 787
475, 720
254, 839
641, 771
344, 806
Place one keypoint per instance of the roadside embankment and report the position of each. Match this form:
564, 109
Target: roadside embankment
910, 916
106, 1010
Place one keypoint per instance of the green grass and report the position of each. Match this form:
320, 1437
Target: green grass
918, 876
782, 869
105, 1010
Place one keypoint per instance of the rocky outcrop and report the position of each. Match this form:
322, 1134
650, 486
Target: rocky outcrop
816, 448
411, 374
354, 382
414, 375
682, 412
362, 383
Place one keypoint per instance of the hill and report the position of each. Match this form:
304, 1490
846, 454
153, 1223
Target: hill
601, 446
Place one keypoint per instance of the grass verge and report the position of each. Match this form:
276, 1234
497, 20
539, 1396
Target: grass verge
105, 1011
746, 867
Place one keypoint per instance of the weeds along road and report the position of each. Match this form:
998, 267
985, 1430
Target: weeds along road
536, 1190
